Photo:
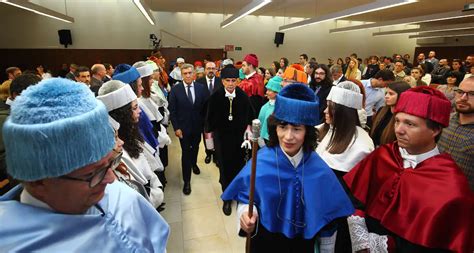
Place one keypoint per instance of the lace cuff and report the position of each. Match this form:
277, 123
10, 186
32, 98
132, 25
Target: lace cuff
378, 243
359, 233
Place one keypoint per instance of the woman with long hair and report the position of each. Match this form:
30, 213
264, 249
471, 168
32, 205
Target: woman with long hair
383, 130
158, 95
353, 71
132, 76
343, 142
269, 74
284, 63
275, 66
163, 78
152, 111
122, 104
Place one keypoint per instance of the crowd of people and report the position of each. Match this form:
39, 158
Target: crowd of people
371, 155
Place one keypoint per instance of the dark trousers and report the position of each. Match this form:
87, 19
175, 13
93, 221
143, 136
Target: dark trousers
266, 241
230, 155
189, 152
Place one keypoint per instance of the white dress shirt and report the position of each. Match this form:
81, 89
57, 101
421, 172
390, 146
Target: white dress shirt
250, 75
411, 161
213, 83
192, 90
229, 95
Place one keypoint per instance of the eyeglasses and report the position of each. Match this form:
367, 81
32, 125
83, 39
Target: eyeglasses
459, 92
96, 178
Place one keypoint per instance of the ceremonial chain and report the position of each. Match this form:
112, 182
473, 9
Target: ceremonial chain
230, 109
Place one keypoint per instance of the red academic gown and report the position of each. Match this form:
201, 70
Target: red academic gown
255, 90
431, 205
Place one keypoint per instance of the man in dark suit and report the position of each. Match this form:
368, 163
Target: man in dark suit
212, 83
98, 72
337, 75
186, 101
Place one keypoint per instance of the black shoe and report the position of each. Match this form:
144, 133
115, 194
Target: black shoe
208, 159
227, 208
196, 170
187, 188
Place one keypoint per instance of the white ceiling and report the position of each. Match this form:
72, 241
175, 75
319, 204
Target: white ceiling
309, 8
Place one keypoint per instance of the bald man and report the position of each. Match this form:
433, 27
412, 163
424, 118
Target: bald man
98, 72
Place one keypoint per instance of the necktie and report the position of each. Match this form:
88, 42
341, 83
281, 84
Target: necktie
190, 95
210, 85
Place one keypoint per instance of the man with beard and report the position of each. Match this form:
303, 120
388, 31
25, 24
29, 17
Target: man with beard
83, 75
213, 83
422, 60
321, 84
410, 197
229, 116
439, 74
458, 138
468, 63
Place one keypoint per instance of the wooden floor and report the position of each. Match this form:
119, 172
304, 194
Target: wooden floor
196, 221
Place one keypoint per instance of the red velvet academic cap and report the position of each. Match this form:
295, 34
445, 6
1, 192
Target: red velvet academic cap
252, 59
425, 102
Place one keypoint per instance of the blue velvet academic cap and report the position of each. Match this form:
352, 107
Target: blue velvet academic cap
297, 104
55, 127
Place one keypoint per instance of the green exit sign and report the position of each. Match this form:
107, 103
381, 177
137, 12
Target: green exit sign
238, 48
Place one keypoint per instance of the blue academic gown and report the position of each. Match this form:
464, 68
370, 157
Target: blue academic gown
130, 224
265, 112
311, 194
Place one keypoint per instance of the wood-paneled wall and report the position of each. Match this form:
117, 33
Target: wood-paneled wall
54, 58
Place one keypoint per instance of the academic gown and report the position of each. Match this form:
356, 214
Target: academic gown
228, 134
265, 112
255, 90
310, 198
425, 209
128, 223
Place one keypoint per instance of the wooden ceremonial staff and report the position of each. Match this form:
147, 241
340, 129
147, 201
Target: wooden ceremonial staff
255, 136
